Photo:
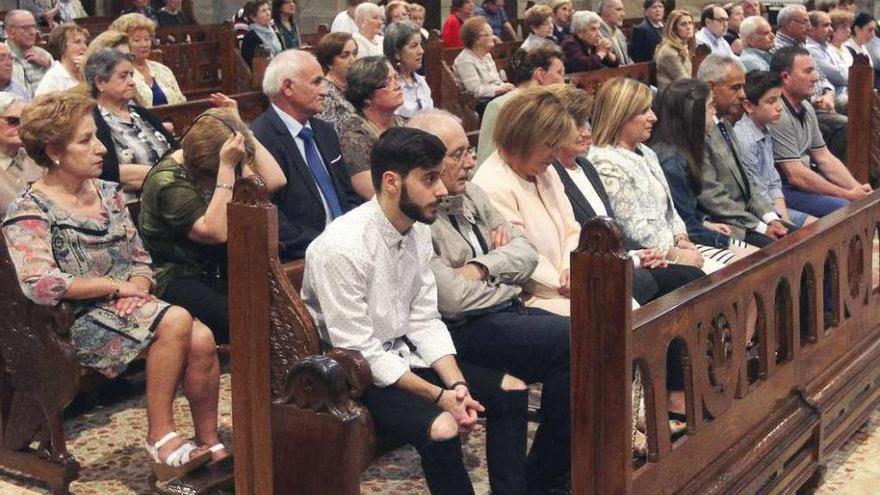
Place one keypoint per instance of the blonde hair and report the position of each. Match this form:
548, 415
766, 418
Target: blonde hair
51, 120
841, 18
107, 39
414, 7
129, 22
617, 101
671, 38
532, 117
555, 4
202, 142
576, 101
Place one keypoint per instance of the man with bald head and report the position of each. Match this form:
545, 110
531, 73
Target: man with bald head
318, 189
481, 264
612, 14
8, 84
30, 63
758, 41
715, 21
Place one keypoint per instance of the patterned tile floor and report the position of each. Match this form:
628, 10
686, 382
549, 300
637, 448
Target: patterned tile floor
107, 441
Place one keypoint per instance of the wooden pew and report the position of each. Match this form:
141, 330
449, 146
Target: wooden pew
39, 377
591, 81
299, 426
191, 33
203, 67
250, 106
312, 39
863, 111
767, 431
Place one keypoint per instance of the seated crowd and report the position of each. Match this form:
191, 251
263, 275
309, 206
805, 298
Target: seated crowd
448, 272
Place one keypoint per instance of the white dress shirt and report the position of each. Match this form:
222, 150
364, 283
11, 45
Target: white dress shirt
371, 289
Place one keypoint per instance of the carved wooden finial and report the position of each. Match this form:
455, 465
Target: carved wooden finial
601, 236
250, 191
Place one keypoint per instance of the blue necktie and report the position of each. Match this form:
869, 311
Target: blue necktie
325, 184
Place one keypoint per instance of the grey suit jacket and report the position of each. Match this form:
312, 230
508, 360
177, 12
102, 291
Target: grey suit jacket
728, 195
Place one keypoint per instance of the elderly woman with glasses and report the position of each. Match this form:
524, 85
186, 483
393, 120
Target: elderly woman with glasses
154, 81
134, 137
474, 66
539, 19
374, 91
183, 211
585, 48
17, 169
403, 48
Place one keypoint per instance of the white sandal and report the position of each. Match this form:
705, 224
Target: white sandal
177, 463
217, 447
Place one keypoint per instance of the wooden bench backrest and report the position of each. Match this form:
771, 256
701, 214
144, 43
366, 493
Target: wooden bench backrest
182, 115
202, 67
192, 33
591, 81
298, 427
767, 433
312, 39
863, 111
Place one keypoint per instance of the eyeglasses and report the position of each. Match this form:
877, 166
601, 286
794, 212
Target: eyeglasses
722, 19
391, 81
30, 27
458, 155
12, 121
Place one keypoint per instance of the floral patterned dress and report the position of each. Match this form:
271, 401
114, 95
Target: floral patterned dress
50, 247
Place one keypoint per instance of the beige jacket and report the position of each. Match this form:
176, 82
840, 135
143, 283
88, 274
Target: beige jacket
542, 211
509, 266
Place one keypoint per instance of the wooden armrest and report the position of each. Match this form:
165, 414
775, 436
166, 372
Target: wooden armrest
328, 382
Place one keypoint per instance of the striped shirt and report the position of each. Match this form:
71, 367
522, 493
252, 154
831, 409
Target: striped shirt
756, 148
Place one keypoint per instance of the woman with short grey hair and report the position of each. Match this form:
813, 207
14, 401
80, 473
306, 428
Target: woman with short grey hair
585, 48
373, 88
403, 48
368, 17
134, 137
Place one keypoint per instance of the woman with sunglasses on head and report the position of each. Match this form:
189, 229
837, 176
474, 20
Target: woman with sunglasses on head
183, 211
374, 91
403, 48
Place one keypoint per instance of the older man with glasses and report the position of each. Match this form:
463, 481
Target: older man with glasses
30, 62
715, 22
17, 169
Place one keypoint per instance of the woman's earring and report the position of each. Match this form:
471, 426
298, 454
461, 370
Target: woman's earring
57, 163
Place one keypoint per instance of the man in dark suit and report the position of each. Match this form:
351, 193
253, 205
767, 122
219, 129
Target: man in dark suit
307, 149
647, 34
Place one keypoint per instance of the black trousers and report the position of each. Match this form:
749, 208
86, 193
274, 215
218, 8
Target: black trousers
672, 277
533, 345
757, 239
206, 299
408, 418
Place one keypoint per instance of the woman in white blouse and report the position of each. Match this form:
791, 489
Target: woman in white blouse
474, 66
841, 20
67, 43
862, 32
368, 17
635, 183
403, 48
